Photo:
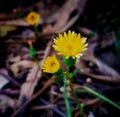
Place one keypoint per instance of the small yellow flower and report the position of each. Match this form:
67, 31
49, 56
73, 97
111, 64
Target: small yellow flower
51, 65
70, 45
33, 18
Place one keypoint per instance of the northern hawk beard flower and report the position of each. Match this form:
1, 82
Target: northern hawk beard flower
33, 18
70, 45
51, 65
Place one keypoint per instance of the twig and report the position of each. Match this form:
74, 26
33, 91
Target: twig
47, 84
102, 77
54, 109
32, 78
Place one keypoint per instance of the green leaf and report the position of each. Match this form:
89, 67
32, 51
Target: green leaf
19, 15
59, 73
91, 34
32, 52
59, 81
101, 97
69, 62
70, 75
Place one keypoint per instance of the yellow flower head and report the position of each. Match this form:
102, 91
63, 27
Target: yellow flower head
70, 45
33, 18
51, 65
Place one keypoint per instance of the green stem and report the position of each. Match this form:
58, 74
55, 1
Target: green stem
35, 28
80, 106
69, 114
91, 91
37, 62
37, 33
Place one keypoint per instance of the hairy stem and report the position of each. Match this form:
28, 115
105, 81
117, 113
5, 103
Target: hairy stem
69, 114
80, 106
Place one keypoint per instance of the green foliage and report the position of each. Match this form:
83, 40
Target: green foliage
91, 34
70, 75
19, 15
32, 51
59, 73
69, 62
101, 97
59, 81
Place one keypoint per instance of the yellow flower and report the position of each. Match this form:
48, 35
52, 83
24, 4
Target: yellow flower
51, 65
70, 45
33, 18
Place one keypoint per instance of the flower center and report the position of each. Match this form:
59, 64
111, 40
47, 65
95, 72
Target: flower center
52, 64
70, 48
33, 17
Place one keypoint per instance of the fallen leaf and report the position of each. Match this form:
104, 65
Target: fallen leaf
3, 81
15, 67
5, 29
5, 102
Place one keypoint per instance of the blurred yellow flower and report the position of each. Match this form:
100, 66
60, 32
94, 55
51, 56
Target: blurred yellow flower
33, 18
51, 65
70, 45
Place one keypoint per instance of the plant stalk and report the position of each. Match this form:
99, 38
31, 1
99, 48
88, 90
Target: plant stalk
80, 106
67, 103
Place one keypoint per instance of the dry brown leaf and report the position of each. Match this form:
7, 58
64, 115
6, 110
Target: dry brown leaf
110, 74
13, 59
28, 100
102, 67
33, 78
5, 102
68, 24
5, 29
62, 20
17, 22
15, 67
3, 81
